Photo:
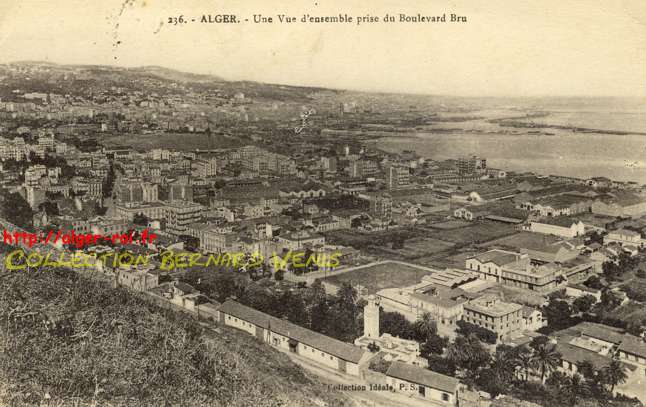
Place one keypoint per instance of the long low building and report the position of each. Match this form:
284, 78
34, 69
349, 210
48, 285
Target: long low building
283, 334
424, 383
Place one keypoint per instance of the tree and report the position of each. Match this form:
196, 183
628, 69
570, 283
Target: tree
574, 388
434, 345
587, 370
320, 316
609, 300
558, 314
468, 354
584, 303
614, 374
442, 365
15, 209
546, 359
594, 282
425, 326
50, 208
525, 360
503, 366
293, 307
611, 270
379, 364
466, 328
140, 219
345, 309
279, 275
396, 324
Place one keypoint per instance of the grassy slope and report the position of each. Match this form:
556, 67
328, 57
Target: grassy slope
120, 350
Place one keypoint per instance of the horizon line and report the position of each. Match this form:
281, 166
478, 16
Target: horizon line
216, 78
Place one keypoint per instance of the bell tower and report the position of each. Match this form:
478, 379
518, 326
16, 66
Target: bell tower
371, 318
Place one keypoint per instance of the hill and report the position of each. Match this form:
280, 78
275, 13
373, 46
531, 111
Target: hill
81, 342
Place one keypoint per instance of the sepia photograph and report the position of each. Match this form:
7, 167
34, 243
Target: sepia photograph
386, 203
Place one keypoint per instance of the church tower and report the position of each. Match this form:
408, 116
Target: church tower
371, 318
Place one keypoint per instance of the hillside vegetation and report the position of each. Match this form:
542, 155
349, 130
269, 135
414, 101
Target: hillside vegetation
78, 341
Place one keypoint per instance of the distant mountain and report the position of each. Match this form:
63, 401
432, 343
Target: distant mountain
136, 78
174, 75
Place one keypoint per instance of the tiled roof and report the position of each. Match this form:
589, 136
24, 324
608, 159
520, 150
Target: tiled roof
431, 299
425, 377
334, 347
576, 355
496, 256
563, 221
634, 346
603, 332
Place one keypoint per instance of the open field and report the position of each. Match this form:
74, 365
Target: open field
453, 261
380, 276
360, 240
450, 224
476, 232
420, 247
176, 141
524, 239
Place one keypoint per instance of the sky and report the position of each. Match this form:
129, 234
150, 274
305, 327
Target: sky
506, 47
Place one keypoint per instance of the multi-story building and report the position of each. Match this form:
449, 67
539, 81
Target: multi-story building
33, 174
445, 311
398, 176
180, 192
299, 240
204, 168
514, 269
364, 169
489, 312
213, 240
470, 165
89, 188
180, 214
130, 192
329, 164
382, 206
155, 210
150, 192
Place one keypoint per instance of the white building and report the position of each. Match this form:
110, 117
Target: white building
322, 350
423, 383
624, 237
559, 226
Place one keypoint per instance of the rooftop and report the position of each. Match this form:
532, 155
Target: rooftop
492, 305
425, 377
342, 350
498, 257
563, 221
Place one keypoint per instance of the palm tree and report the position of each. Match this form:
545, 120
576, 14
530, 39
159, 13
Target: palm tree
525, 360
575, 387
614, 374
468, 354
426, 325
503, 365
546, 359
